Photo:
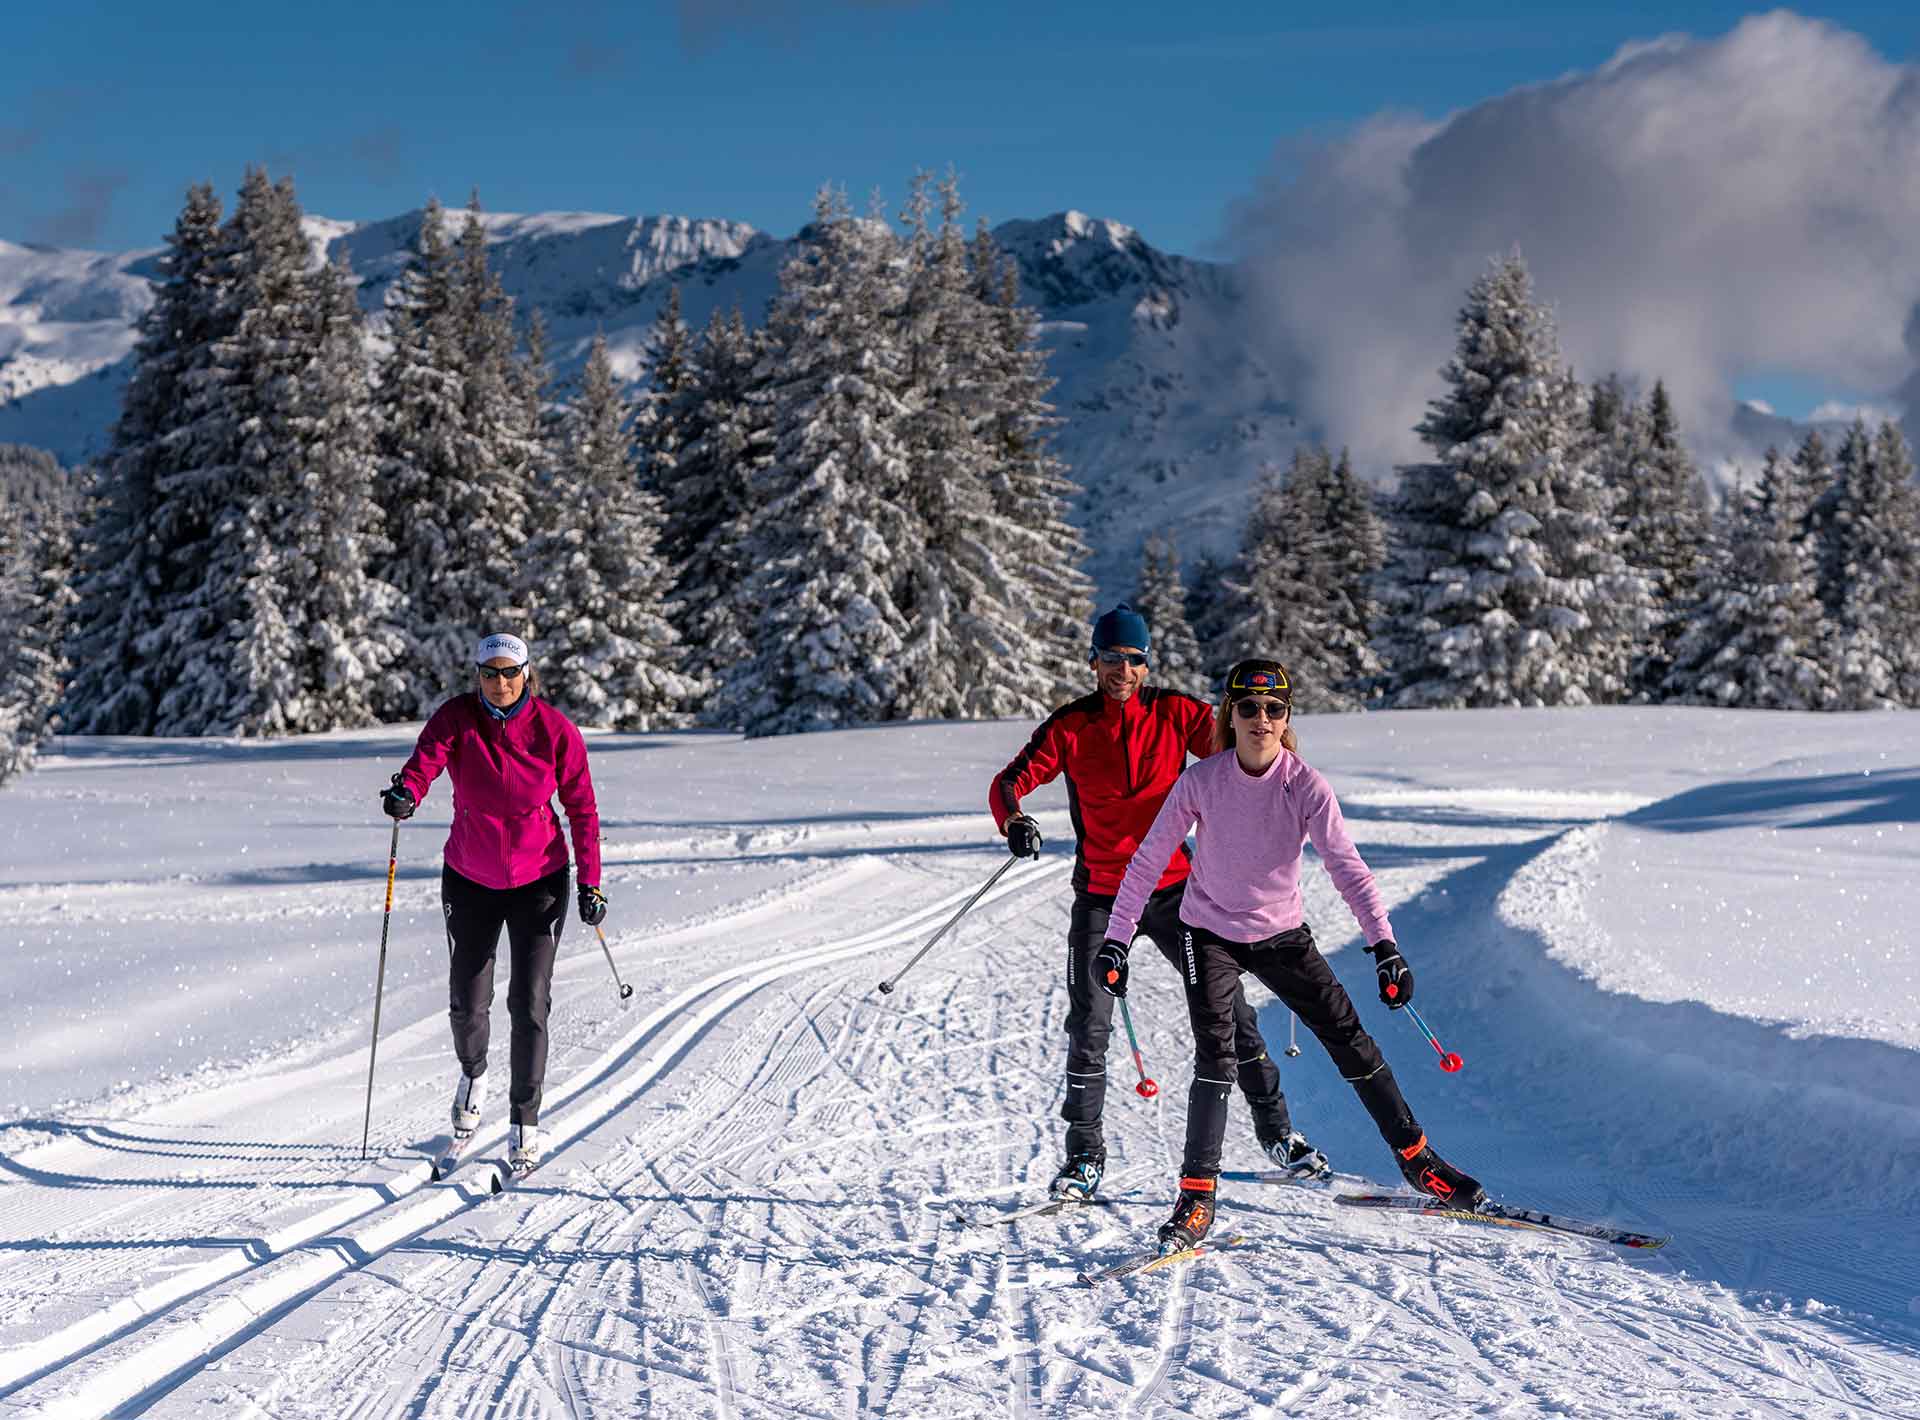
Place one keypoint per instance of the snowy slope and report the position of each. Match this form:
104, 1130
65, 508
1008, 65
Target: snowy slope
1167, 409
754, 1207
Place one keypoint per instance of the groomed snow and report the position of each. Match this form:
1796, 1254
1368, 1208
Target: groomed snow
1675, 947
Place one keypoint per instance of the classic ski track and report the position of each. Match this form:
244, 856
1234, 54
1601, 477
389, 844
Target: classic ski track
156, 1368
1025, 1367
1176, 1339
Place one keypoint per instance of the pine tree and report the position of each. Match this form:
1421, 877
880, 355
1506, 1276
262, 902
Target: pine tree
1871, 552
1511, 589
36, 514
120, 574
1162, 600
1032, 487
608, 652
825, 645
658, 426
1754, 632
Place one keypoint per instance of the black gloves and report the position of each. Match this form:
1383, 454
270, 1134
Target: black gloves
1023, 837
1110, 967
397, 800
1396, 977
593, 905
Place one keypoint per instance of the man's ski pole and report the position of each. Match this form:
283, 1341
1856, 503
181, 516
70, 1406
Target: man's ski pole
1146, 1089
1293, 1043
1449, 1062
626, 991
888, 985
380, 981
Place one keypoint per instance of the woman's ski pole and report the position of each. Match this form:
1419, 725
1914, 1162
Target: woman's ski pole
1293, 1043
888, 985
1448, 1060
626, 991
1146, 1089
380, 981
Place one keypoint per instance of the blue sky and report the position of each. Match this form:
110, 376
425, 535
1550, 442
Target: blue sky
740, 108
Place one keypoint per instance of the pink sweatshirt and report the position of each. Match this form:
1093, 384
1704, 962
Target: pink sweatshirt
1245, 883
505, 774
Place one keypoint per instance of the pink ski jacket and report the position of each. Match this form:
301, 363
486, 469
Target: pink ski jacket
505, 774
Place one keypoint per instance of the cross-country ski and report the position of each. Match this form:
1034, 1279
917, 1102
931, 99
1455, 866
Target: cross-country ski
1500, 1214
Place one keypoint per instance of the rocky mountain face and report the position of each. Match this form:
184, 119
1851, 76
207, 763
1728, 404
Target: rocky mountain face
1168, 415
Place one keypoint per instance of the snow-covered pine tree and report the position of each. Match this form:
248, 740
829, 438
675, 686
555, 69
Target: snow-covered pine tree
1162, 599
1210, 609
119, 578
657, 431
456, 460
1870, 550
1511, 589
36, 600
1753, 634
722, 442
1249, 616
969, 652
1033, 488
824, 647
607, 651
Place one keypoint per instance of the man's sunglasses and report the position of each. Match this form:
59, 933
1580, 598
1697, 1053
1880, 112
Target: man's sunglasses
1117, 658
1250, 708
501, 672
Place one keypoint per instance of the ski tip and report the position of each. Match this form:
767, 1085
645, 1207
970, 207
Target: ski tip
433, 1173
494, 1185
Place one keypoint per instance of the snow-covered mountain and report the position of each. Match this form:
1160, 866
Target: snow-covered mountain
1170, 414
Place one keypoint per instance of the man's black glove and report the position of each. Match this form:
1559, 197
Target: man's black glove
593, 905
1023, 837
397, 799
1396, 977
1110, 967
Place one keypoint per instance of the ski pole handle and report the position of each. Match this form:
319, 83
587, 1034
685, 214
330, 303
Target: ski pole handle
887, 986
1449, 1061
1146, 1089
626, 991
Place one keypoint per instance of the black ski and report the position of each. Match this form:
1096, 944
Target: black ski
1504, 1216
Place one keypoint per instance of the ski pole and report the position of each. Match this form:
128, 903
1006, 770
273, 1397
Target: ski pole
626, 991
380, 981
1448, 1060
1293, 1041
1146, 1089
888, 985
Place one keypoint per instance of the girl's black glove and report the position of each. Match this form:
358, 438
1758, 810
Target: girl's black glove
593, 905
1396, 977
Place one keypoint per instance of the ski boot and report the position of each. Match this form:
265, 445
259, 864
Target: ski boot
1437, 1178
524, 1147
1192, 1216
1079, 1176
1297, 1156
468, 1096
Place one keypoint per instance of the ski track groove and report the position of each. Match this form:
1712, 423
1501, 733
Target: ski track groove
1176, 1339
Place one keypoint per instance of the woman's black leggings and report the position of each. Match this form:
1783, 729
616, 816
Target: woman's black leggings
532, 914
1293, 969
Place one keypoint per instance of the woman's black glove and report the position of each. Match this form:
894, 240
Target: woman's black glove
593, 905
1110, 967
397, 799
1023, 837
1396, 977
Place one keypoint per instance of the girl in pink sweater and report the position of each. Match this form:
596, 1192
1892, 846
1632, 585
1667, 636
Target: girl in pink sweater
1255, 808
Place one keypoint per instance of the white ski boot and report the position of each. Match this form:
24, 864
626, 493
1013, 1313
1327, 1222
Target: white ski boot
524, 1148
1298, 1157
468, 1097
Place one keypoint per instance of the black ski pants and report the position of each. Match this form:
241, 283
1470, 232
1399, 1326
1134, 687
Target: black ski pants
1090, 1024
532, 914
1292, 968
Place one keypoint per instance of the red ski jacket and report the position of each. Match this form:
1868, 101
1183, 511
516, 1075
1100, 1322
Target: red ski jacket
1121, 758
505, 774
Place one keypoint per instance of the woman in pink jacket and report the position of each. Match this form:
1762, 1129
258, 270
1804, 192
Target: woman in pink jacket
1255, 809
508, 753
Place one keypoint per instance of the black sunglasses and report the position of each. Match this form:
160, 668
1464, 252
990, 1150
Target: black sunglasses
1114, 658
1250, 708
501, 672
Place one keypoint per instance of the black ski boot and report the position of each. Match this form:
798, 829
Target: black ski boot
1297, 1156
1192, 1216
1437, 1178
1079, 1176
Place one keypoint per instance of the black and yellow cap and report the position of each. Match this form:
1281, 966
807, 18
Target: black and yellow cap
1259, 678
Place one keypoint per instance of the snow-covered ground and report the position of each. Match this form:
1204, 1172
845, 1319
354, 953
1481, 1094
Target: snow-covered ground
1675, 947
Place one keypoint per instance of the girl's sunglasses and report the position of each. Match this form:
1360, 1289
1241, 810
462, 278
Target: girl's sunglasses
1250, 708
501, 672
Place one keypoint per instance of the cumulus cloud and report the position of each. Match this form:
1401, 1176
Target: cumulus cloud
1694, 209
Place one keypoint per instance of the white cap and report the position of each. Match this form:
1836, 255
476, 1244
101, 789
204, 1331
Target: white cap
501, 644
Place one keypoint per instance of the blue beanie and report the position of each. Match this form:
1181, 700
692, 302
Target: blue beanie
1123, 626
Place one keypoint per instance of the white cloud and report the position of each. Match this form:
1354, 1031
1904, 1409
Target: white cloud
1836, 411
1693, 209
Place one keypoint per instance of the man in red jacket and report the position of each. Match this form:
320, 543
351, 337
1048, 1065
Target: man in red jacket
1121, 749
